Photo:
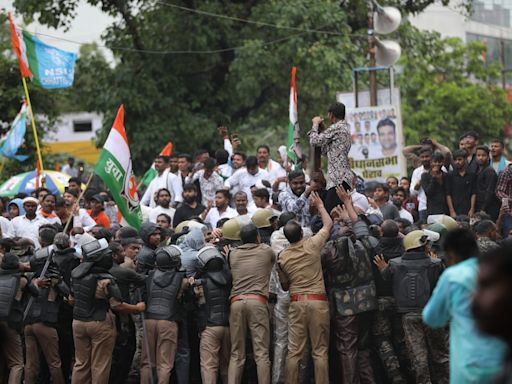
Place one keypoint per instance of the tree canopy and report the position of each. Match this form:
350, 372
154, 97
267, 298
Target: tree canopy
183, 68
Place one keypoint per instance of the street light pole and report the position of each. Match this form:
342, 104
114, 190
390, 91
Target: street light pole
371, 52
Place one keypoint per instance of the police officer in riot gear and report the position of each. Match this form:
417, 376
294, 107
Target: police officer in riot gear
13, 298
213, 287
42, 317
164, 288
95, 293
125, 346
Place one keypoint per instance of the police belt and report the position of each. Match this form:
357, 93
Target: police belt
309, 297
250, 296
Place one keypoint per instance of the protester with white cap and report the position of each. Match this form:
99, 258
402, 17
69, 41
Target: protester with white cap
27, 225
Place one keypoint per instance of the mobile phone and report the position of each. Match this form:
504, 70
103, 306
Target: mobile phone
346, 186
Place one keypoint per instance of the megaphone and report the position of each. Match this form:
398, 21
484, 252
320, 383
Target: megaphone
388, 52
386, 19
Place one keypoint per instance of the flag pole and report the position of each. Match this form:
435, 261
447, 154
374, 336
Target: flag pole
33, 121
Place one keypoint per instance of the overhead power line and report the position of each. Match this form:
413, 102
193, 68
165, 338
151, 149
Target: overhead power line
255, 22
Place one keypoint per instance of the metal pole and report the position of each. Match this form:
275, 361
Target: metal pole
503, 72
356, 87
391, 84
371, 52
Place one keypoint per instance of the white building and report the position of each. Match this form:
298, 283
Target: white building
75, 134
489, 22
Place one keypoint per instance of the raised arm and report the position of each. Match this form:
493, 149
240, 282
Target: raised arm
319, 204
346, 198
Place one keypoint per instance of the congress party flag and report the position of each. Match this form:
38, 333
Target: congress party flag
293, 124
115, 169
151, 173
47, 66
15, 137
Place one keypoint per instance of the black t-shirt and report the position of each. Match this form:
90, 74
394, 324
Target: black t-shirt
461, 188
185, 212
435, 192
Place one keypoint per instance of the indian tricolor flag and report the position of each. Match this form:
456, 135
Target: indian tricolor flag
293, 124
115, 169
46, 65
151, 173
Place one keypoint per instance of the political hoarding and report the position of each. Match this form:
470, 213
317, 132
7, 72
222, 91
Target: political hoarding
377, 142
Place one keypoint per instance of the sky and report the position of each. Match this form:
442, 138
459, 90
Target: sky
86, 27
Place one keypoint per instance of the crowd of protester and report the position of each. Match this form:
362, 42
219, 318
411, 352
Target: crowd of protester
251, 269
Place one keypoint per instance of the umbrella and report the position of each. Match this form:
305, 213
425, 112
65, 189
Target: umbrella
26, 183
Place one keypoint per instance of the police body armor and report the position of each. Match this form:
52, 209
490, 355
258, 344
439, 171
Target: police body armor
162, 290
45, 307
349, 276
217, 289
413, 289
11, 309
87, 307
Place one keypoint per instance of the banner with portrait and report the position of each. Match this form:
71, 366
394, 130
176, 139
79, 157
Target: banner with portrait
377, 142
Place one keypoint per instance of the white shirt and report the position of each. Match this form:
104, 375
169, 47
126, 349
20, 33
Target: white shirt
83, 220
274, 170
24, 227
6, 227
420, 193
51, 220
225, 170
165, 180
405, 214
244, 219
214, 216
158, 210
71, 171
243, 181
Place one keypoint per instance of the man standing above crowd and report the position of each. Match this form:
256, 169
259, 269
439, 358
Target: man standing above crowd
300, 272
460, 187
433, 184
469, 141
416, 189
498, 160
335, 143
486, 179
164, 179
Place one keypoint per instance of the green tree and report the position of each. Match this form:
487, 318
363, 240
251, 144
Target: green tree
447, 89
180, 73
183, 97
